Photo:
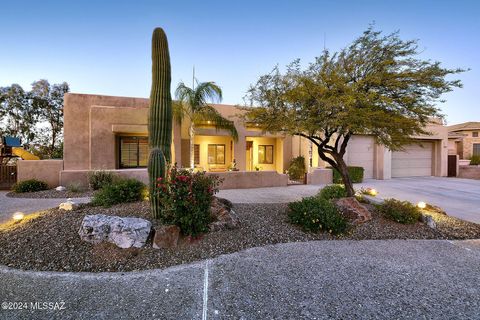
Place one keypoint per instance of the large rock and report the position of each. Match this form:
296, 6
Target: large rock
428, 220
223, 216
124, 232
353, 210
68, 206
166, 237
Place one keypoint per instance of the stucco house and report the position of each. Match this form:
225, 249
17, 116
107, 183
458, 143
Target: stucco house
110, 133
464, 139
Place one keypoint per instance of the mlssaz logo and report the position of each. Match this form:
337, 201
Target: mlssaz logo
47, 305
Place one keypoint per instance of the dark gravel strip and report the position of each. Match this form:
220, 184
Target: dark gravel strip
51, 242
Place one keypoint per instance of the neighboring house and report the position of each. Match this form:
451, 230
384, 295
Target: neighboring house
110, 133
464, 139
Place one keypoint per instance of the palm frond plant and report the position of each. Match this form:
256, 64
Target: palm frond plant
193, 104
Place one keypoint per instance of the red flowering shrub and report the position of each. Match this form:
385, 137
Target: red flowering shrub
185, 197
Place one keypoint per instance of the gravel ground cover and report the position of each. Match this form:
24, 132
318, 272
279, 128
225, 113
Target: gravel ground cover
50, 241
51, 193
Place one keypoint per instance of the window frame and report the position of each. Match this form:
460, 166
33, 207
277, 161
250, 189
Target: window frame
216, 145
196, 149
474, 134
138, 138
265, 147
476, 149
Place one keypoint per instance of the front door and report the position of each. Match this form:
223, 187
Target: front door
452, 165
249, 155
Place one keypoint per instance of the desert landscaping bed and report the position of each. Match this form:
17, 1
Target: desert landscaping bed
51, 240
51, 193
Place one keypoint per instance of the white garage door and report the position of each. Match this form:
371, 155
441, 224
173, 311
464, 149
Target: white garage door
360, 152
414, 161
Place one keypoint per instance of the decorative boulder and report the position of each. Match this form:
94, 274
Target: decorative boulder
224, 217
68, 206
353, 210
428, 220
166, 237
61, 188
123, 232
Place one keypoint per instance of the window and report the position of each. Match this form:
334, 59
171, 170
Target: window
475, 134
265, 154
133, 152
476, 149
196, 154
216, 154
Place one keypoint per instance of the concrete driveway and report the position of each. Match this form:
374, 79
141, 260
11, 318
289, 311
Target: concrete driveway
458, 197
395, 279
10, 205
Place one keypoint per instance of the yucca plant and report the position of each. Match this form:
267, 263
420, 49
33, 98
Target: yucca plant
160, 117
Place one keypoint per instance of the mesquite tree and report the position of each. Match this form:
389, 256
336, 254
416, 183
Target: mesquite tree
160, 117
376, 86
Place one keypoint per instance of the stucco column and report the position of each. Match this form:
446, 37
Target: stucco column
240, 153
383, 163
177, 143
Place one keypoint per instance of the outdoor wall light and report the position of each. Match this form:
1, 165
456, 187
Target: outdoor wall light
17, 216
421, 205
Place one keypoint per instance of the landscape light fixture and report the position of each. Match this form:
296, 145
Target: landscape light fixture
17, 216
421, 205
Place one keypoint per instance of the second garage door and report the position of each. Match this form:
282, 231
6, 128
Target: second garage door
414, 161
360, 153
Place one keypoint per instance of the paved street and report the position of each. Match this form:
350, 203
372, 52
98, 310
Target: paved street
394, 279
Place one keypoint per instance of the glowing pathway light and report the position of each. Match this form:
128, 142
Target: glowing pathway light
421, 205
373, 192
17, 216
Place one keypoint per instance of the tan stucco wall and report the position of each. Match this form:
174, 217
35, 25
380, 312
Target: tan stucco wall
469, 172
81, 176
251, 179
466, 149
93, 121
320, 176
204, 141
382, 167
277, 164
43, 170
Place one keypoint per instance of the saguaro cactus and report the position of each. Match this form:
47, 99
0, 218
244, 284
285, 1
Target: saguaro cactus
160, 117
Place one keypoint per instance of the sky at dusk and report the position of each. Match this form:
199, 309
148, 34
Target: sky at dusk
103, 47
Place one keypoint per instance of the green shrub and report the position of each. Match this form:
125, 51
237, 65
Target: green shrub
355, 173
400, 211
185, 198
120, 191
75, 187
475, 160
314, 214
99, 178
31, 185
296, 169
334, 191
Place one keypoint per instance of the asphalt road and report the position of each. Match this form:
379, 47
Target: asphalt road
397, 279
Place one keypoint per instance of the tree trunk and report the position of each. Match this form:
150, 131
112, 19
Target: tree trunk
52, 147
192, 146
343, 170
